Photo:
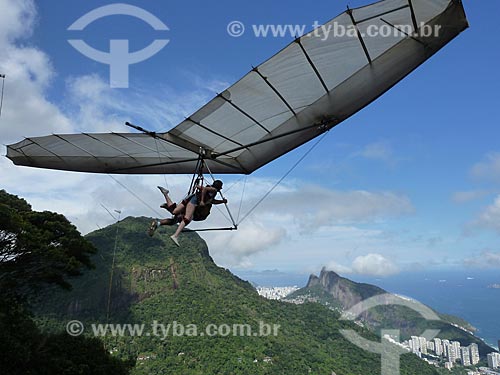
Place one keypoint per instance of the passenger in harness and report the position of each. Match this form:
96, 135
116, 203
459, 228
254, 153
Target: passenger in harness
194, 207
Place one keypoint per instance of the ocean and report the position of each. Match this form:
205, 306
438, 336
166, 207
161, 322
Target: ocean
465, 294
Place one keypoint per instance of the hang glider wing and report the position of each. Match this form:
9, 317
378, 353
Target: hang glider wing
311, 85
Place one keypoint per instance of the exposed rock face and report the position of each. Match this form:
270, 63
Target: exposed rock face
347, 292
313, 281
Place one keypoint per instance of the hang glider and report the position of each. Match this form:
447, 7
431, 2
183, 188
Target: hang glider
310, 86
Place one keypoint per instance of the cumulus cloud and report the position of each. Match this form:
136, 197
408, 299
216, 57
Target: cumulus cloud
16, 20
488, 169
338, 268
297, 210
486, 259
97, 107
316, 206
380, 151
236, 248
467, 196
368, 265
26, 111
489, 218
374, 265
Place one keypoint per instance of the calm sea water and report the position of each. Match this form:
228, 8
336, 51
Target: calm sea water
466, 295
460, 293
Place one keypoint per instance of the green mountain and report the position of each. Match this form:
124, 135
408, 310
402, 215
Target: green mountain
341, 294
155, 281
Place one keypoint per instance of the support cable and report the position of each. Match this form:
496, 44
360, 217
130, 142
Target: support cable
161, 161
282, 178
113, 261
135, 195
241, 200
225, 204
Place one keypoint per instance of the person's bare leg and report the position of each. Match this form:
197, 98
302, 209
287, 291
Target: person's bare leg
169, 201
169, 221
188, 215
179, 209
167, 198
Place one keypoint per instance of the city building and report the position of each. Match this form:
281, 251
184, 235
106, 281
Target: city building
423, 345
275, 292
438, 346
451, 351
474, 354
493, 360
465, 356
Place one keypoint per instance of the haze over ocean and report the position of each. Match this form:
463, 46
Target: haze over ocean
459, 293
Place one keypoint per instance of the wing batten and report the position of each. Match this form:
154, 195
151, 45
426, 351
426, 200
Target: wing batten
110, 145
244, 113
315, 70
266, 80
360, 37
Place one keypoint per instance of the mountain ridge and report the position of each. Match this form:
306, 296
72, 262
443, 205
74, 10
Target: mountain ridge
155, 281
341, 294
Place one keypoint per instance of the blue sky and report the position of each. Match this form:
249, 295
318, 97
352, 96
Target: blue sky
412, 180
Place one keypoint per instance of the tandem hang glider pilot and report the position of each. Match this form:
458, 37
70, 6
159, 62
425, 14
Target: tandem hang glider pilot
312, 85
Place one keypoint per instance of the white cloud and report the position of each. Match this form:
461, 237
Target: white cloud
467, 196
488, 169
374, 265
377, 151
369, 265
338, 268
97, 107
316, 206
235, 248
16, 19
304, 213
486, 259
26, 111
489, 218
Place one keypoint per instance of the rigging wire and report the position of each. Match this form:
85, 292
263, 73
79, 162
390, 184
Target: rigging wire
282, 178
109, 212
161, 161
198, 172
113, 262
235, 183
135, 195
225, 204
241, 199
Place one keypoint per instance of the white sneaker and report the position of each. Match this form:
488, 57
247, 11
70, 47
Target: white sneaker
152, 228
163, 190
175, 240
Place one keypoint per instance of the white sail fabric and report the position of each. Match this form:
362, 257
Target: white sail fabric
307, 88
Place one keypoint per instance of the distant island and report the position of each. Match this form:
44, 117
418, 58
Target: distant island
494, 286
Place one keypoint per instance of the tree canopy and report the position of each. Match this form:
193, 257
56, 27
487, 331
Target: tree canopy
38, 247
